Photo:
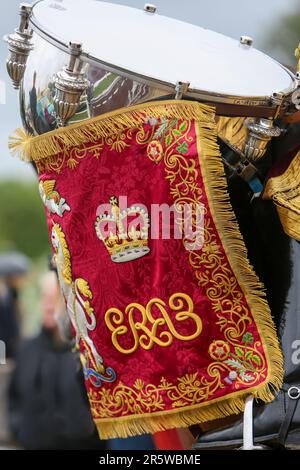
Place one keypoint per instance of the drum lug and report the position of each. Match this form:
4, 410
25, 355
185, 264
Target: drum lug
19, 46
296, 94
246, 41
181, 88
70, 83
150, 8
261, 131
297, 55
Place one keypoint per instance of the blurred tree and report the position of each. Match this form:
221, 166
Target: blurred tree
284, 36
22, 219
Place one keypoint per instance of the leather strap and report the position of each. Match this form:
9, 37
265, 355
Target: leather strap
237, 165
292, 118
290, 411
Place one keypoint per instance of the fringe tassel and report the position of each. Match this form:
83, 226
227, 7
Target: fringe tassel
48, 145
233, 243
162, 421
233, 131
20, 144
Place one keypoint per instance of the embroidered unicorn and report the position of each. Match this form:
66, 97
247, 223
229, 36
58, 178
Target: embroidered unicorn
52, 199
77, 295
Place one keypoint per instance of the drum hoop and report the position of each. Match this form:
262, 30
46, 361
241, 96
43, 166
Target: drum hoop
230, 105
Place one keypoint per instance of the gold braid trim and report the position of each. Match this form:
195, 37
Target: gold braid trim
233, 131
284, 190
219, 202
48, 145
126, 426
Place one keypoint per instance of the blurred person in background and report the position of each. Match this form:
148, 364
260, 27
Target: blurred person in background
9, 333
13, 270
14, 267
48, 407
9, 327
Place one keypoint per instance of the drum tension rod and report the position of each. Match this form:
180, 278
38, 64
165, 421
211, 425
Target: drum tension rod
296, 93
181, 88
246, 41
70, 85
150, 8
19, 46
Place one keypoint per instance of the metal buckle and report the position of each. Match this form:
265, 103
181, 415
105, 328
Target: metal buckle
291, 392
246, 170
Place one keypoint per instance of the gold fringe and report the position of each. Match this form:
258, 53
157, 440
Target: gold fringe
149, 424
287, 181
284, 191
227, 226
48, 145
216, 188
20, 144
232, 131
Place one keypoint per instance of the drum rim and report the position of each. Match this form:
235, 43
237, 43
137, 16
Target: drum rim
255, 102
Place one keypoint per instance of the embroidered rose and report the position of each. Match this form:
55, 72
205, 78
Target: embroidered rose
155, 151
219, 350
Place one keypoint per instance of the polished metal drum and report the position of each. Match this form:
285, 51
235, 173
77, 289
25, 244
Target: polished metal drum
86, 57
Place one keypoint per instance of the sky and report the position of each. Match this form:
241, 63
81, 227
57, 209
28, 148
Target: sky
231, 17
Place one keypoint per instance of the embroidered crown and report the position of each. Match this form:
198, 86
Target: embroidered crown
125, 240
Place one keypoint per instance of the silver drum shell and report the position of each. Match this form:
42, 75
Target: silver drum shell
107, 91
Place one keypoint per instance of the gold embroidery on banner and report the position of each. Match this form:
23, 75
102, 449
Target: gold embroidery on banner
147, 398
216, 280
148, 331
72, 157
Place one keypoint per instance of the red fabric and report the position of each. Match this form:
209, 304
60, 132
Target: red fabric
168, 440
186, 373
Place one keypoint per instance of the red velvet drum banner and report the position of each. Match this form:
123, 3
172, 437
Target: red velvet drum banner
171, 321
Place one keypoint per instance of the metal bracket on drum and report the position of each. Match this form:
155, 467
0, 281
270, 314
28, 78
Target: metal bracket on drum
19, 46
246, 42
296, 94
70, 83
180, 89
244, 169
262, 130
150, 8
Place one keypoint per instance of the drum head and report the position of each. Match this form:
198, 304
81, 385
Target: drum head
156, 47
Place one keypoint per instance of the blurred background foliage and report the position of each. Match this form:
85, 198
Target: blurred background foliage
23, 228
283, 36
22, 219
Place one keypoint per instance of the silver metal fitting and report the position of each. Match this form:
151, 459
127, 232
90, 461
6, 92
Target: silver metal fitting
295, 98
294, 393
19, 46
277, 98
261, 131
246, 41
150, 8
181, 88
70, 83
